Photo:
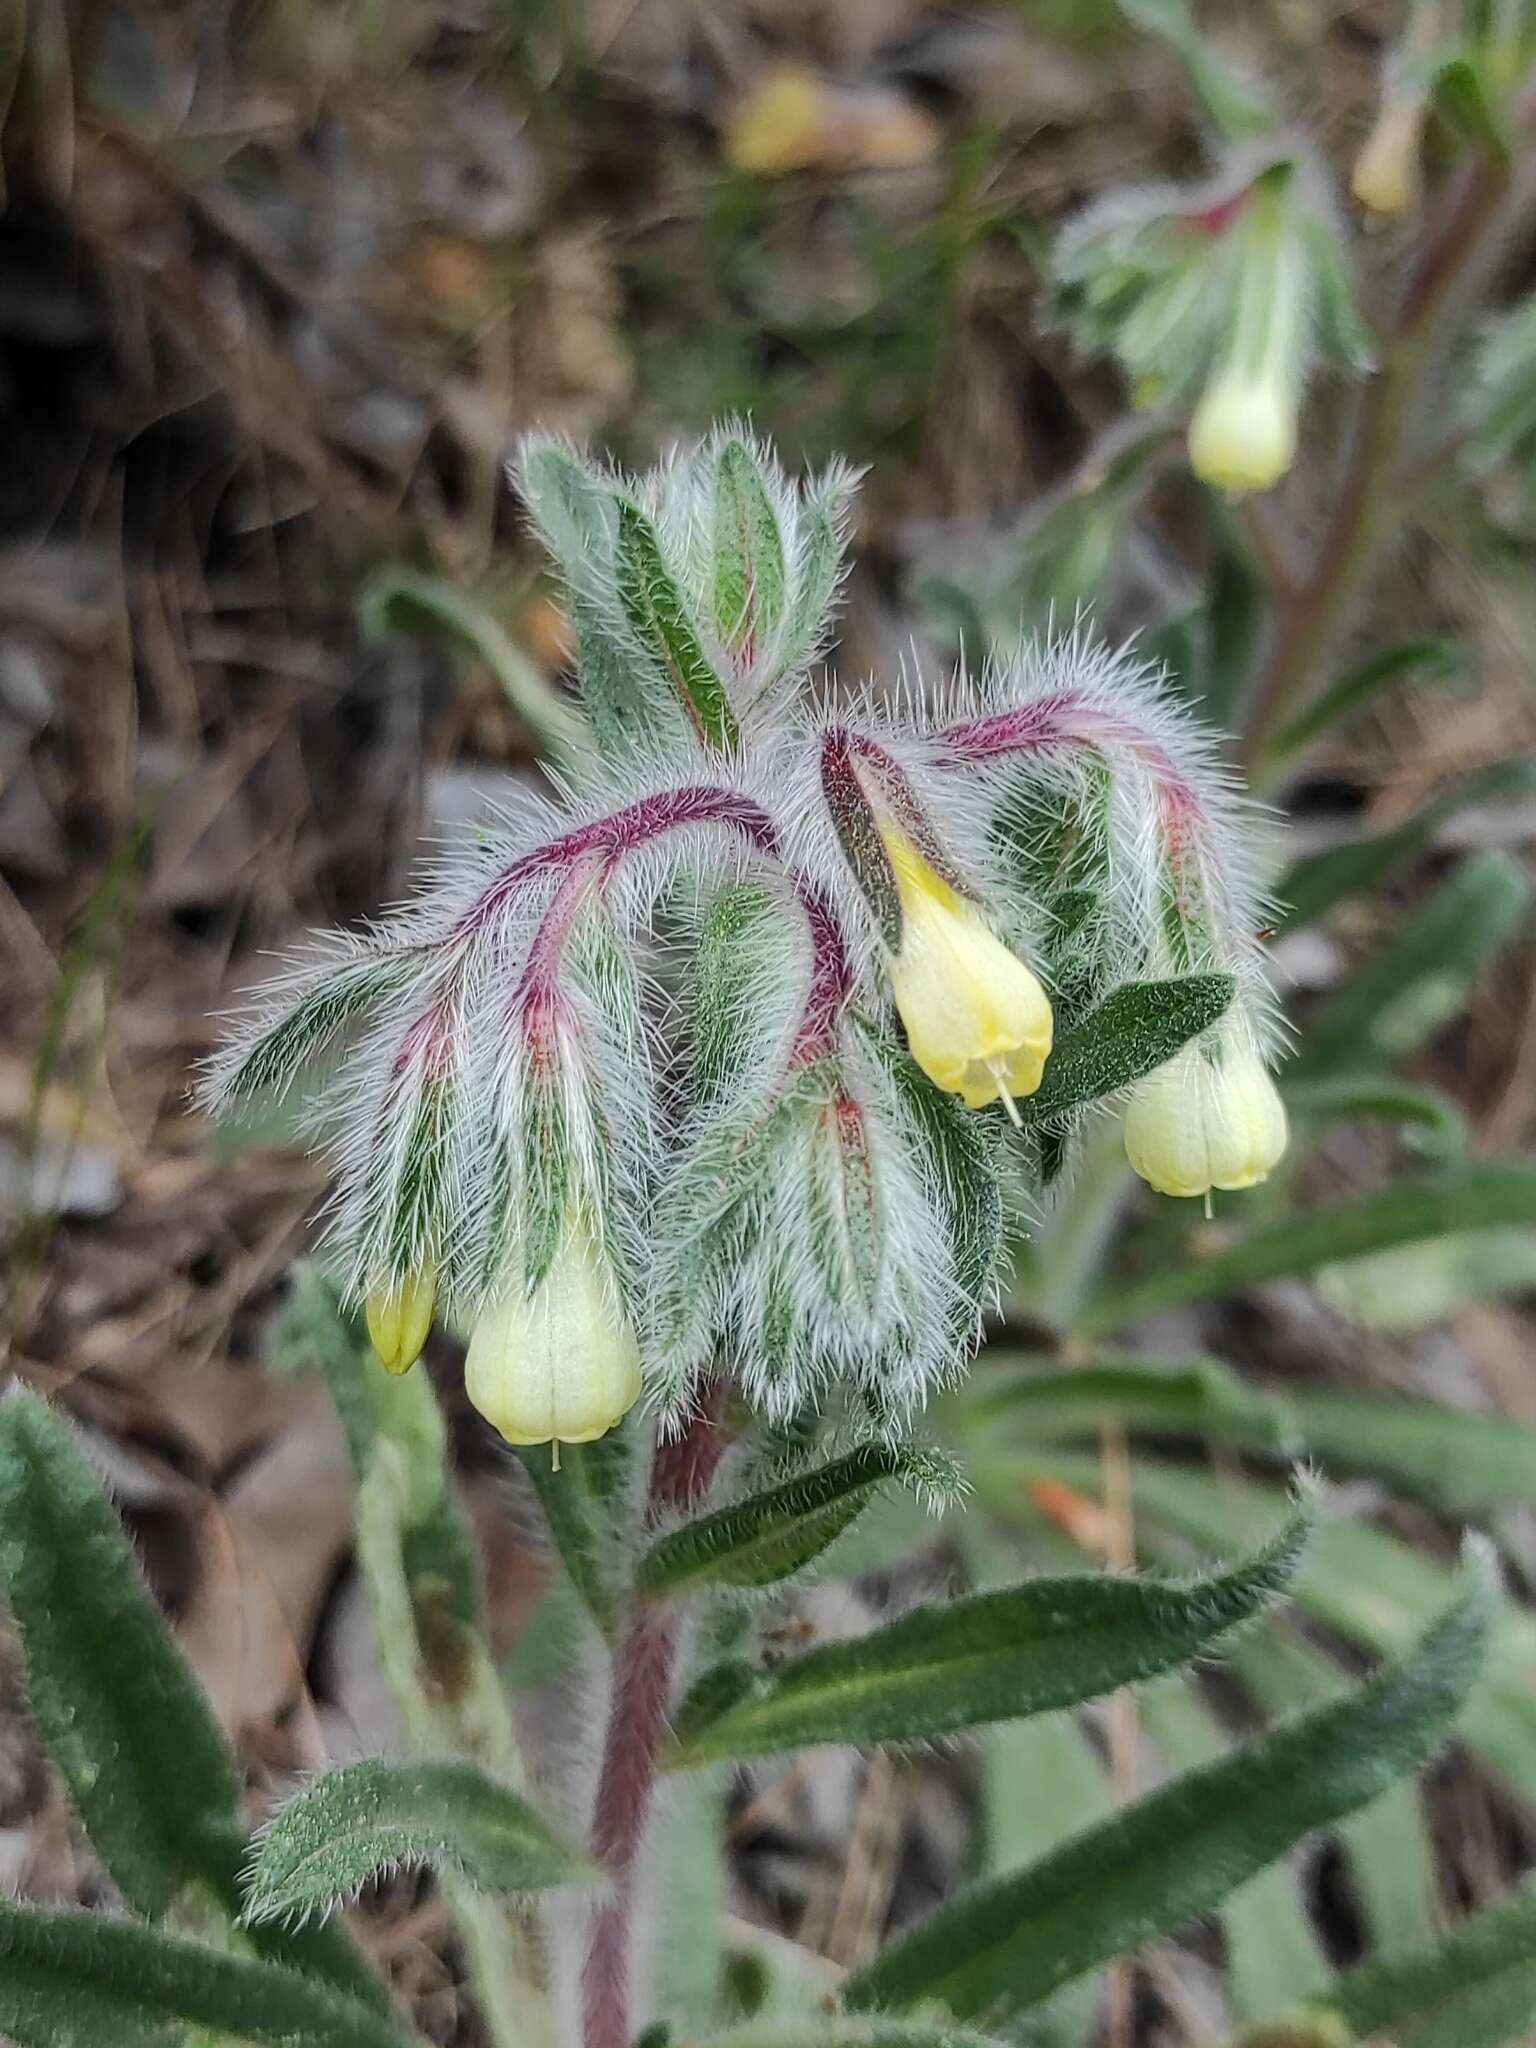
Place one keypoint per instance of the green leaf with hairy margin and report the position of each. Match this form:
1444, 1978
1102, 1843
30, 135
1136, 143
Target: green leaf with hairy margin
367, 1817
277, 1056
400, 600
578, 1512
724, 969
1431, 658
1175, 1854
1473, 1197
1028, 1649
1475, 1988
836, 2031
1142, 1024
78, 1980
772, 1535
1312, 887
818, 563
750, 589
1419, 979
1432, 1123
658, 615
120, 1712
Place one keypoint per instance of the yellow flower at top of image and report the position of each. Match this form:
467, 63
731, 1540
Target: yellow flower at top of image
978, 1022
1211, 1117
399, 1319
561, 1365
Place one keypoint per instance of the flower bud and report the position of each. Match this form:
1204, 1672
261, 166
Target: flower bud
978, 1022
1386, 174
1207, 1118
400, 1317
1243, 434
561, 1364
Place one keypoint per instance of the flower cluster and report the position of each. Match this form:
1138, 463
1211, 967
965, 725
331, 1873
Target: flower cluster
1217, 299
711, 1060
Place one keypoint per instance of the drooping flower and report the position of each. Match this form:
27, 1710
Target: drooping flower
978, 1022
561, 1365
1386, 179
1211, 1117
1242, 436
399, 1319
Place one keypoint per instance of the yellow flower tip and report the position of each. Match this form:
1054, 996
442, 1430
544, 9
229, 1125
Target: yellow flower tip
1385, 180
1204, 1121
559, 1366
1243, 434
400, 1318
978, 1022
777, 127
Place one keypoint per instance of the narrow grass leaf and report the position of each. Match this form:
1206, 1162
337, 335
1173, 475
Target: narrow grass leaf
1001, 1947
1476, 1988
375, 1815
1028, 1649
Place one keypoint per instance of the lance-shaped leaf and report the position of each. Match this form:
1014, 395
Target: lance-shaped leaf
843, 2032
1027, 1649
1428, 659
372, 1816
78, 1980
768, 1537
1139, 1027
119, 1710
279, 1053
1474, 1989
1468, 1198
658, 616
749, 586
1177, 1853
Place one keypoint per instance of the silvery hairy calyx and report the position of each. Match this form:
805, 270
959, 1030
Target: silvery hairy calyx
728, 1057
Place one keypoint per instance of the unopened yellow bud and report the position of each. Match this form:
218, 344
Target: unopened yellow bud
399, 1319
978, 1022
561, 1365
1243, 434
1386, 174
1210, 1117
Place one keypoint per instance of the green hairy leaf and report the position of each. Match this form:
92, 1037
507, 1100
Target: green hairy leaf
772, 1535
1003, 1946
372, 1816
1476, 1988
1464, 1198
724, 968
841, 2032
121, 1713
658, 615
313, 1021
1135, 1030
749, 550
80, 1980
1027, 1649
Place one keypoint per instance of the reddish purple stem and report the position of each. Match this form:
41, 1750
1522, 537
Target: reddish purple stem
681, 1475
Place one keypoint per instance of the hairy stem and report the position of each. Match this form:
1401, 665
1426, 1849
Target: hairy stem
643, 1671
1369, 507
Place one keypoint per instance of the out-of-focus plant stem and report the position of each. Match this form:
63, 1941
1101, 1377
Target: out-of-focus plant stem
1309, 613
643, 1671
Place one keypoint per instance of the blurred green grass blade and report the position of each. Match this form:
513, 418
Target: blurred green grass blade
773, 1534
400, 600
1452, 1458
1410, 1286
1391, 1863
1027, 1649
81, 1980
1476, 1988
839, 2031
1316, 883
1273, 1959
120, 1712
323, 1846
1420, 978
1431, 658
1142, 1024
1237, 111
1431, 1122
1472, 1197
1179, 1851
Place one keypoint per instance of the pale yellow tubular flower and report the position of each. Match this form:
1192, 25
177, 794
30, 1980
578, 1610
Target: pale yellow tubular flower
561, 1365
1206, 1119
1385, 180
978, 1022
1243, 434
400, 1318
